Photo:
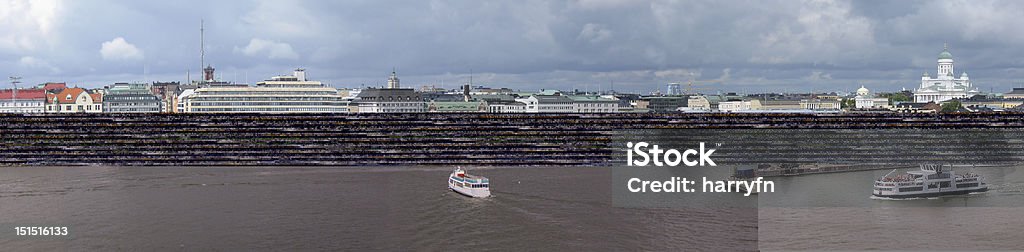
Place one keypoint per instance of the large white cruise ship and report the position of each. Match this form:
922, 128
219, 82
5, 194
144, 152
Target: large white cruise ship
280, 94
929, 181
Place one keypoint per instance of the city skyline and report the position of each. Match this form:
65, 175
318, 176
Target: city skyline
639, 46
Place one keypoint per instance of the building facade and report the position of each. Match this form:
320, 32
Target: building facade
548, 104
131, 98
23, 101
594, 104
665, 104
739, 106
74, 100
280, 94
864, 100
821, 104
944, 86
390, 100
506, 107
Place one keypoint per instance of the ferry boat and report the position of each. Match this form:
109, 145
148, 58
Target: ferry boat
929, 181
469, 185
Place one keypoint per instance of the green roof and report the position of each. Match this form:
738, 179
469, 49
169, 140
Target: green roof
457, 106
945, 54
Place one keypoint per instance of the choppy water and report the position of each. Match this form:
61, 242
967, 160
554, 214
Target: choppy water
115, 208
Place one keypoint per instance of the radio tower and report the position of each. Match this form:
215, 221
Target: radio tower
202, 44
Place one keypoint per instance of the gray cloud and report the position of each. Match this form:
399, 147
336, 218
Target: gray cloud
530, 44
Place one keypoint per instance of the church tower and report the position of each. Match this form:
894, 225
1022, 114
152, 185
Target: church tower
393, 80
945, 62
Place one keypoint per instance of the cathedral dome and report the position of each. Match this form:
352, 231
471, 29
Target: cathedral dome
945, 55
863, 91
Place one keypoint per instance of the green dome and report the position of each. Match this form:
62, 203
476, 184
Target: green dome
945, 55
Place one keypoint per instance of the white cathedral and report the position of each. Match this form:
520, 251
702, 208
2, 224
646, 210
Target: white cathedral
945, 86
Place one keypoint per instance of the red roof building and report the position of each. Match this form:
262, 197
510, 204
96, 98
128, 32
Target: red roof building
23, 94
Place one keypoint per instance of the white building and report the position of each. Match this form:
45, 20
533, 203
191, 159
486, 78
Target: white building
820, 104
74, 100
280, 94
548, 104
22, 101
945, 86
594, 104
506, 107
738, 106
864, 100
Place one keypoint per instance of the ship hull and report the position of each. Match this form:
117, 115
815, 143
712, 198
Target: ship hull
469, 192
931, 194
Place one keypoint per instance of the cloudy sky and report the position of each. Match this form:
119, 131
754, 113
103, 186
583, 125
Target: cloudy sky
744, 46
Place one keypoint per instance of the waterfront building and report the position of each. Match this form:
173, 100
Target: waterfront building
548, 104
739, 106
864, 100
698, 103
31, 100
944, 86
390, 100
1016, 93
779, 105
820, 104
26, 101
279, 94
131, 98
979, 101
594, 104
74, 100
502, 106
663, 104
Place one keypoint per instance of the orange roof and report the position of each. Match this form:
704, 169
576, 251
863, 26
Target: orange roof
97, 98
63, 96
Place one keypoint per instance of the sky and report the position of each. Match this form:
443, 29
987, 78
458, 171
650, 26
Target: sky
629, 45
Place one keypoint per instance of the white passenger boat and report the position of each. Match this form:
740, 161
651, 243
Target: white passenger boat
469, 185
930, 181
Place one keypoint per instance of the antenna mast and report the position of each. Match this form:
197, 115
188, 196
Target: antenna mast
14, 90
202, 44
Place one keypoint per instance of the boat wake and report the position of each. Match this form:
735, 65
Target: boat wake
894, 199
